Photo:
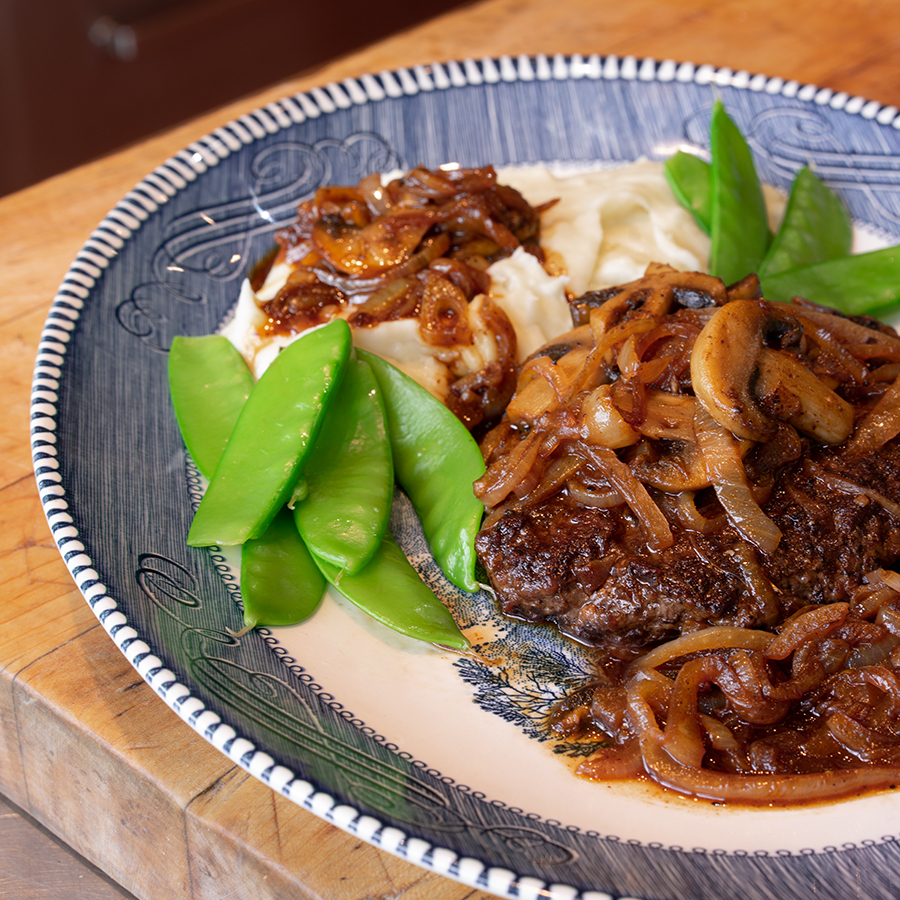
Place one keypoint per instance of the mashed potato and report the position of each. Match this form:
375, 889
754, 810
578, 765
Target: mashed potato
604, 230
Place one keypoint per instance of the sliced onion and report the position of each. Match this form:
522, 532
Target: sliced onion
602, 424
810, 623
758, 584
379, 304
618, 761
374, 194
890, 578
443, 315
887, 372
863, 742
682, 735
718, 637
880, 425
656, 528
720, 737
723, 787
508, 473
854, 367
868, 598
608, 499
683, 508
721, 455
874, 654
620, 333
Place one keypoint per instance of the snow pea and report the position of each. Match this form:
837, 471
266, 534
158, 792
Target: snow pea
866, 283
272, 439
738, 223
280, 582
209, 383
691, 181
390, 590
816, 227
349, 476
436, 461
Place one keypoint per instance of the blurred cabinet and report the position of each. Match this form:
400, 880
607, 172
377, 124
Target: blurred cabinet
80, 78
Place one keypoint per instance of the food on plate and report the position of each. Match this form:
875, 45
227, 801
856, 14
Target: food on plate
209, 383
596, 228
435, 460
738, 223
416, 251
271, 440
288, 547
344, 501
698, 479
280, 581
809, 256
705, 486
390, 590
433, 228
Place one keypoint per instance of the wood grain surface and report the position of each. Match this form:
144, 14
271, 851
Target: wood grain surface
89, 750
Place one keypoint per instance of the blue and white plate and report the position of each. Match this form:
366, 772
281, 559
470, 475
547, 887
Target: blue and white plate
438, 758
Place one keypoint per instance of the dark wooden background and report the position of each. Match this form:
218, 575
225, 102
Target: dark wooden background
81, 78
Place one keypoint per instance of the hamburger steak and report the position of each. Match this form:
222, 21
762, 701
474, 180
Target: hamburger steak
628, 505
581, 569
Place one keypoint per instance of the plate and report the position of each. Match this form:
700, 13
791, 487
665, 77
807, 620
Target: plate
438, 758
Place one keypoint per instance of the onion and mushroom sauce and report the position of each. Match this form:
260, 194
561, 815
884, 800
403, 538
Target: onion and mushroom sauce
706, 487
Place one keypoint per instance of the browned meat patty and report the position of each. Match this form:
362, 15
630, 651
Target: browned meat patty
688, 456
574, 567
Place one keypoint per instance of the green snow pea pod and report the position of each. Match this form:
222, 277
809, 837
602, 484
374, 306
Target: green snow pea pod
738, 223
280, 582
272, 439
691, 181
436, 461
866, 283
209, 383
390, 590
349, 476
816, 227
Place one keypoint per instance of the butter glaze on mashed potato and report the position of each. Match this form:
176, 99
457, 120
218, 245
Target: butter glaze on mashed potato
603, 229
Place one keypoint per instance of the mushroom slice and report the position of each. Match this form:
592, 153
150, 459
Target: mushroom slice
797, 396
732, 367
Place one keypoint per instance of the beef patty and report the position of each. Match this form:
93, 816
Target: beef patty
575, 567
628, 505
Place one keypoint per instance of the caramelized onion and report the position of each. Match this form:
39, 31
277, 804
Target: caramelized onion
618, 761
657, 532
716, 638
724, 787
726, 471
591, 497
602, 423
880, 425
509, 473
813, 622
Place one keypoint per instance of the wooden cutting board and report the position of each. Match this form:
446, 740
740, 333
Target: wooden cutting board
86, 746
